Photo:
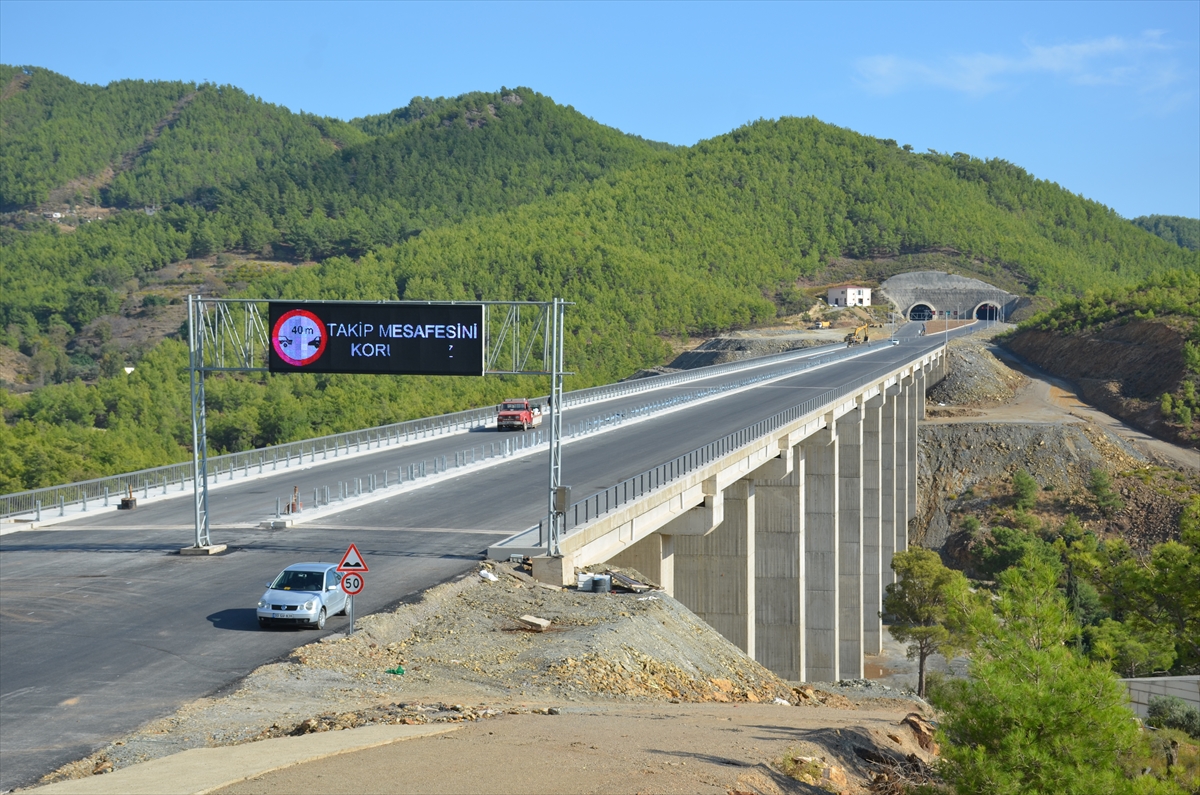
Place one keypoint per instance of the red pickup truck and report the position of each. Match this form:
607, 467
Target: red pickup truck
518, 414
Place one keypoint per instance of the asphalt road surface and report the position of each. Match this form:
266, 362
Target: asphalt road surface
105, 627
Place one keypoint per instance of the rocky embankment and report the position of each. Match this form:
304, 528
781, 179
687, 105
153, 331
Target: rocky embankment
986, 421
965, 467
1121, 369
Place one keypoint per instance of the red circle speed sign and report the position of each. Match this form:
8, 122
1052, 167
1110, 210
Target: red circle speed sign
299, 337
353, 583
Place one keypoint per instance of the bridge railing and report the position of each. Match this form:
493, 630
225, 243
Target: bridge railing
54, 500
632, 489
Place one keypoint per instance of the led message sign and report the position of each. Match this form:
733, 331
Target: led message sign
377, 338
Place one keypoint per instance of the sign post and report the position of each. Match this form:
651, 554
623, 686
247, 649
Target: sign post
352, 568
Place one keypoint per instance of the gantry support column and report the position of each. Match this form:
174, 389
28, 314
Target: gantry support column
872, 592
850, 546
821, 652
779, 570
887, 482
652, 557
714, 574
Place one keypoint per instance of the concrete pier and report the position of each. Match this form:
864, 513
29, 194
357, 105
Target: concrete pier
887, 484
821, 555
872, 580
779, 570
714, 573
916, 410
850, 545
905, 434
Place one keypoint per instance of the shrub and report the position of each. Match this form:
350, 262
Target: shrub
1100, 485
1169, 712
1025, 489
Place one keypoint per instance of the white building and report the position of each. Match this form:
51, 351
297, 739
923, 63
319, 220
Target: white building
849, 296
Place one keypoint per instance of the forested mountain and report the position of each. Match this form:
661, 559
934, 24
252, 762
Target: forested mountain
1179, 230
235, 173
490, 195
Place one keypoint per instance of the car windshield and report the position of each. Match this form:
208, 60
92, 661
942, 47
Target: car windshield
513, 407
299, 581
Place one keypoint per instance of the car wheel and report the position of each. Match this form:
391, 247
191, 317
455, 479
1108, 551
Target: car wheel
345, 606
320, 623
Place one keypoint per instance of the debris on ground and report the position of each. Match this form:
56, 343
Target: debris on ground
976, 378
535, 623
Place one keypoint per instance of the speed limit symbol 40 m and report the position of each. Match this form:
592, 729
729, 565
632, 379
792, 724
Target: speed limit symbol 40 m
353, 584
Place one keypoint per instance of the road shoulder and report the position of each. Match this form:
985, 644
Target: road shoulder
203, 770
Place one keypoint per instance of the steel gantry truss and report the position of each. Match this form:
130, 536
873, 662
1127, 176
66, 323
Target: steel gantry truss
229, 335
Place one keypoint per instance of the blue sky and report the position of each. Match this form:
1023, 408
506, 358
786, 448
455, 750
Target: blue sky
1102, 98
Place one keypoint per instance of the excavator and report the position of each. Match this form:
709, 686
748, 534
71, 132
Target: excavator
857, 337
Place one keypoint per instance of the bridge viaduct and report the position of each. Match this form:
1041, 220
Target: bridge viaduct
778, 531
783, 543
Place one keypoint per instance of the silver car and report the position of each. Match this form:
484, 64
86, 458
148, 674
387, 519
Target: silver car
306, 594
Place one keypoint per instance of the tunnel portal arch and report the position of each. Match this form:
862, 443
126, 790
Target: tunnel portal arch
987, 310
921, 311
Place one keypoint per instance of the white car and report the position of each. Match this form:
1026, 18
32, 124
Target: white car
305, 594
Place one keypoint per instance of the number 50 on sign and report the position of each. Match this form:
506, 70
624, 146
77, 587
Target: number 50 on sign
353, 583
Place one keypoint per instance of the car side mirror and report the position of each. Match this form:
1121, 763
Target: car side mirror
268, 585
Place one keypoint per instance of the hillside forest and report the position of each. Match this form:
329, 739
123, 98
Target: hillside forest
167, 188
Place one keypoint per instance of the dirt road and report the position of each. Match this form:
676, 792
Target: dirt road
669, 748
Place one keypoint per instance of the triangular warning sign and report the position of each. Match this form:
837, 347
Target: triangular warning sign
352, 561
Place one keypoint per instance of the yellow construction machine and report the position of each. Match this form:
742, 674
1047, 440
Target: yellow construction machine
857, 337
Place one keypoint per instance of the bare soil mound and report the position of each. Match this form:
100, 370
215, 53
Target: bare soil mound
1121, 369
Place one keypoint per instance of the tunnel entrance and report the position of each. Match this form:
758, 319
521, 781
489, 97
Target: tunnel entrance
987, 312
920, 312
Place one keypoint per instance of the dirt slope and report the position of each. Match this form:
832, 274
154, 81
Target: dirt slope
1122, 370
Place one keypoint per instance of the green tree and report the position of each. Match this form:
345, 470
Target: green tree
1100, 485
1006, 547
927, 607
1025, 490
1034, 717
1129, 652
1160, 593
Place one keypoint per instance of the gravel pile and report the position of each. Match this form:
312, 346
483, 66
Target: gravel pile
976, 377
623, 645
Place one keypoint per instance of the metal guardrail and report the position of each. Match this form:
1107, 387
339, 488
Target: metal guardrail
101, 491
512, 444
162, 479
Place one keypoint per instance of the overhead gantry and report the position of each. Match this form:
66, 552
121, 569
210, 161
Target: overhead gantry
782, 543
